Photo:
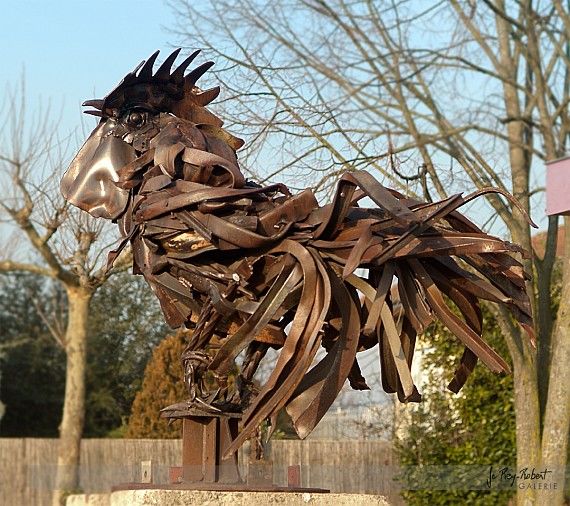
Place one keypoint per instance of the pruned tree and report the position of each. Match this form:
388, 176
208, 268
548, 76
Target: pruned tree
43, 236
468, 94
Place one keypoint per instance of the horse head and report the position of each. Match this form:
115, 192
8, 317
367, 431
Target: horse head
148, 121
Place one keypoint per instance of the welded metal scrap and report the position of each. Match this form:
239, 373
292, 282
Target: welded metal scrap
250, 268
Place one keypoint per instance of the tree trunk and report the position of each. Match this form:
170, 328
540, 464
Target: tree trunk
557, 414
527, 415
71, 428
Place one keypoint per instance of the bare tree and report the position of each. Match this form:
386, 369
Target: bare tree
468, 93
43, 236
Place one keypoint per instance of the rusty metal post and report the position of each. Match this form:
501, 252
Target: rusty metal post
204, 441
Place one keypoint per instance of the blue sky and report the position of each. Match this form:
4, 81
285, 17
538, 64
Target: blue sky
71, 51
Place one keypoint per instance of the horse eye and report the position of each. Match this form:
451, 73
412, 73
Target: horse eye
136, 119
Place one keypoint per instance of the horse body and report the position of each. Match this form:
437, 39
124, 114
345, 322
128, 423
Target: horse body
250, 267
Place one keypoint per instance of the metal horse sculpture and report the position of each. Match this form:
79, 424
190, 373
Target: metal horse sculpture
250, 268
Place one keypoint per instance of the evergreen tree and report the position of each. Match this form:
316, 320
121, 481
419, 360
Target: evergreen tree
162, 386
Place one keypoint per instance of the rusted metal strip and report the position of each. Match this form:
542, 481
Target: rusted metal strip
126, 172
408, 339
203, 158
465, 302
412, 298
382, 197
382, 291
392, 335
192, 198
299, 348
397, 351
355, 257
466, 366
337, 211
285, 282
236, 235
322, 384
473, 341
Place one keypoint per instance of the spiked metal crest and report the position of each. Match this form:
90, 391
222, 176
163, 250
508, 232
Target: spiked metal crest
159, 91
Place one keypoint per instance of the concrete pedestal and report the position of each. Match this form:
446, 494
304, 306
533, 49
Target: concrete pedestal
209, 498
